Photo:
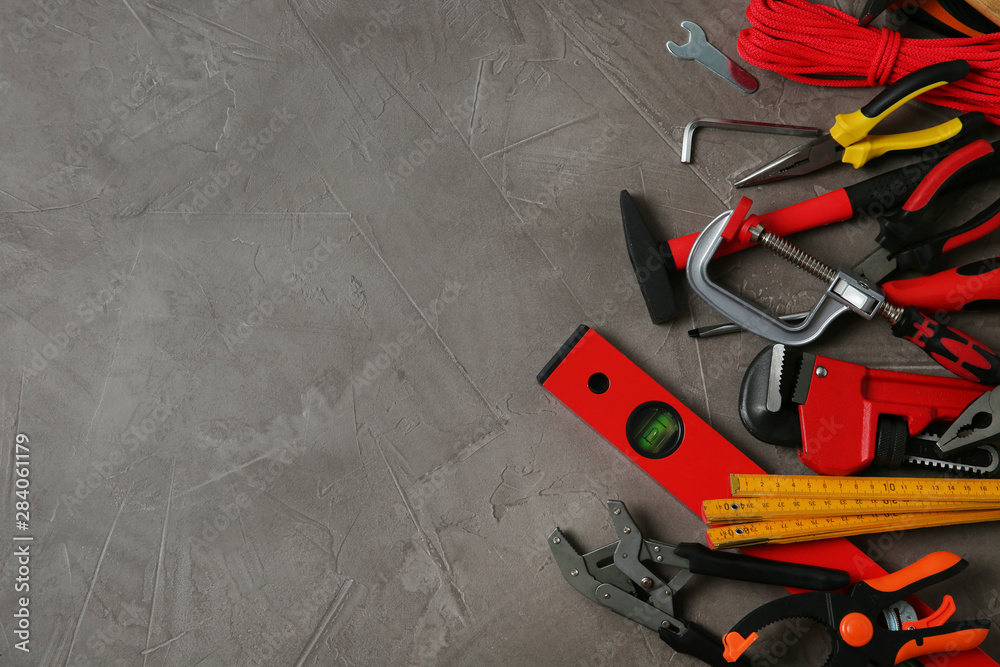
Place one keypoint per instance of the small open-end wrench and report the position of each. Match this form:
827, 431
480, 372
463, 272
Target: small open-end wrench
699, 49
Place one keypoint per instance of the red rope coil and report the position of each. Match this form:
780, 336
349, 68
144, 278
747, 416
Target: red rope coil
823, 46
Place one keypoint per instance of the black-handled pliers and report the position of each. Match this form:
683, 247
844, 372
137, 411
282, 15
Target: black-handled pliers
623, 577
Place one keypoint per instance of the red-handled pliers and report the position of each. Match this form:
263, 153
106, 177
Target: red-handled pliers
972, 287
871, 623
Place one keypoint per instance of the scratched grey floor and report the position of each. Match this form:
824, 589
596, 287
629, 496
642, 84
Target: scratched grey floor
276, 281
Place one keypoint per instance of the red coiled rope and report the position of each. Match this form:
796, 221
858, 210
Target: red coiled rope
823, 46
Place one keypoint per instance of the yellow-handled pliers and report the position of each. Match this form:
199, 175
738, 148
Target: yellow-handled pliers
848, 140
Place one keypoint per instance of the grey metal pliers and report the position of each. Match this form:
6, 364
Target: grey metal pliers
979, 424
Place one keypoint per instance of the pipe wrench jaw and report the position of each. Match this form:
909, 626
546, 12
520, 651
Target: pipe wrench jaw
778, 406
765, 404
882, 418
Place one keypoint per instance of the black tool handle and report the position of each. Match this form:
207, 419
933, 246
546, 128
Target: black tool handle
914, 82
948, 638
703, 560
651, 262
695, 640
897, 230
887, 192
919, 256
954, 350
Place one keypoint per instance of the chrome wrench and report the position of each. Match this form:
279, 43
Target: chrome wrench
699, 49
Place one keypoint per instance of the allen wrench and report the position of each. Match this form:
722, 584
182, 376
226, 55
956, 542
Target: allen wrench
741, 126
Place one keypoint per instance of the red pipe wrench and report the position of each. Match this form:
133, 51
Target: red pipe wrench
845, 417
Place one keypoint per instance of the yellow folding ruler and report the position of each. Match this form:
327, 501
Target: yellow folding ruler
740, 510
893, 488
776, 509
822, 528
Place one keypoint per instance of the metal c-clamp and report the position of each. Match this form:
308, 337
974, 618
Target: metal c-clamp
845, 292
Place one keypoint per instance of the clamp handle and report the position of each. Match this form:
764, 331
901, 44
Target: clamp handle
948, 638
931, 635
882, 592
695, 640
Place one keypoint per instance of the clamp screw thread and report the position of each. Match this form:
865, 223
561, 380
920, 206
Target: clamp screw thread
890, 312
807, 262
792, 253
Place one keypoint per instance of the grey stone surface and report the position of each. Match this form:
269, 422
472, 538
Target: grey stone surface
277, 277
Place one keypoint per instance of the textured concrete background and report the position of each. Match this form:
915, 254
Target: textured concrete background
277, 277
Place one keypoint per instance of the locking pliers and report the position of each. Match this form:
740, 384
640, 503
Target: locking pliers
620, 576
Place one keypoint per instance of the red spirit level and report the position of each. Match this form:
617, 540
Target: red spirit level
679, 450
